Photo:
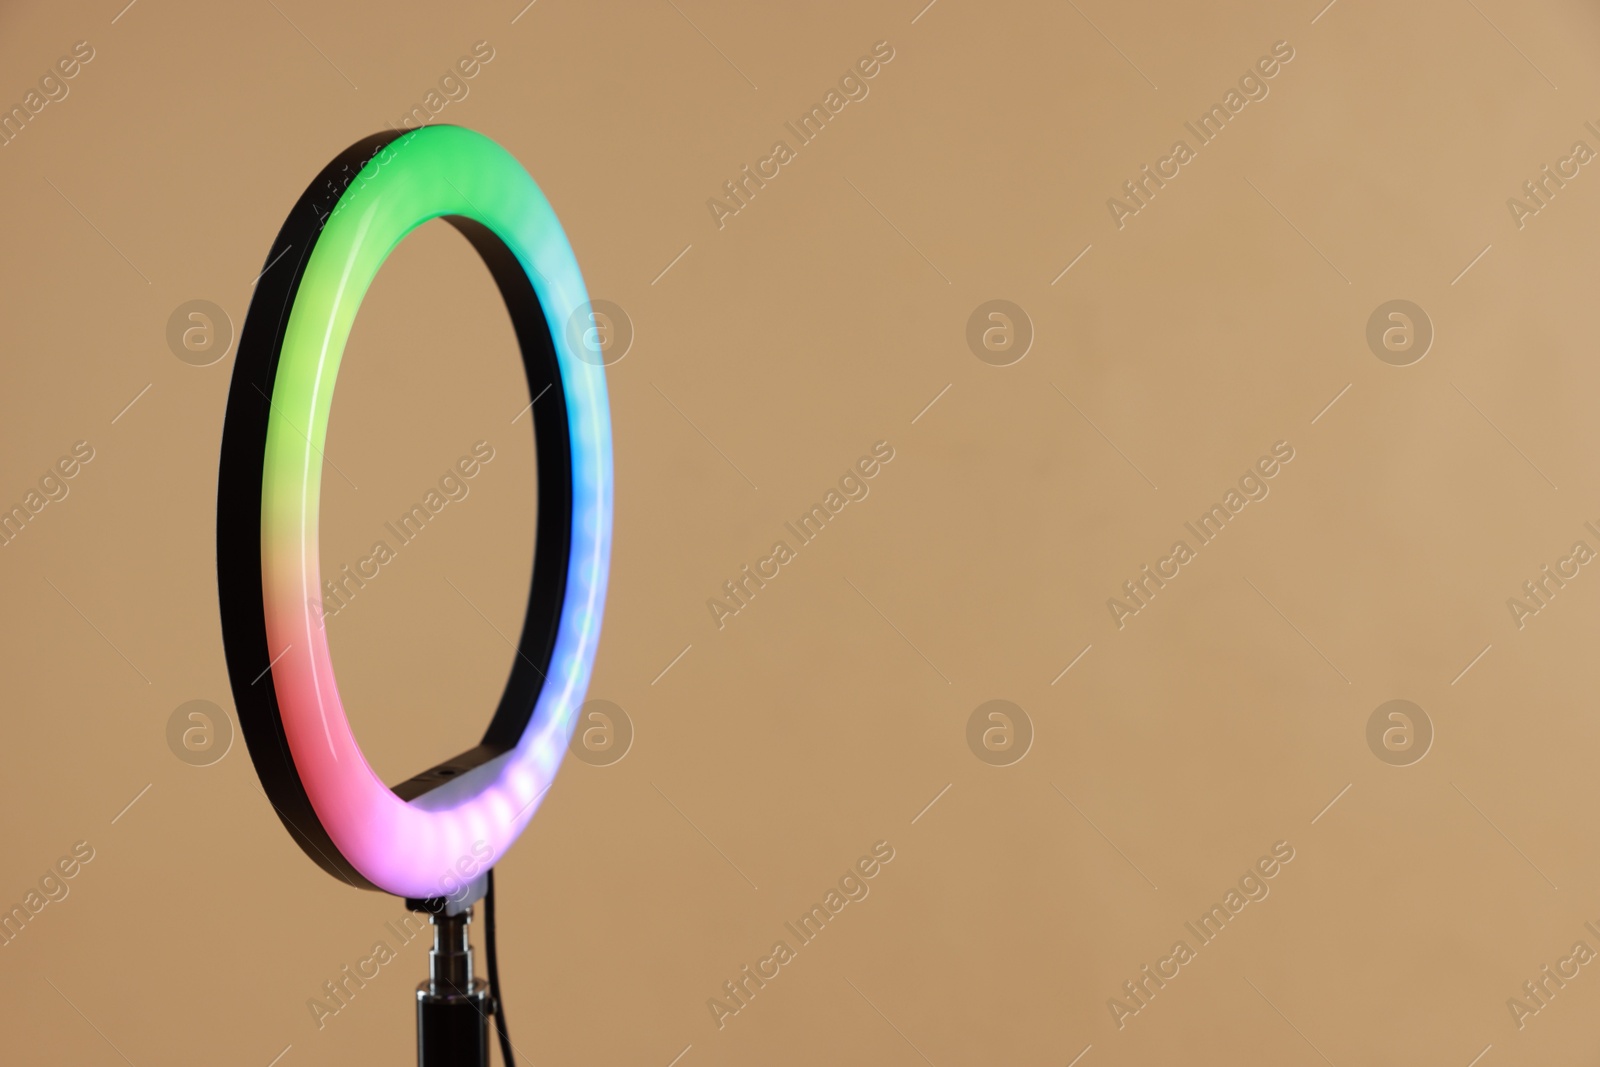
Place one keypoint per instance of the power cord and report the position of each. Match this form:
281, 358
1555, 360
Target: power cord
494, 974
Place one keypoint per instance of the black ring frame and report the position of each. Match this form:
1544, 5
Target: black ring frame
244, 435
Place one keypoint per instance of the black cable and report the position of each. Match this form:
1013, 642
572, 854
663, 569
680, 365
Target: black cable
494, 974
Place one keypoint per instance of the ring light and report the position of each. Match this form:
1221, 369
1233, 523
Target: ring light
417, 838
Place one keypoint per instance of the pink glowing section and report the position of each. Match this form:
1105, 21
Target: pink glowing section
419, 848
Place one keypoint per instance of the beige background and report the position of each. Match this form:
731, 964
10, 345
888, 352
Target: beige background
822, 318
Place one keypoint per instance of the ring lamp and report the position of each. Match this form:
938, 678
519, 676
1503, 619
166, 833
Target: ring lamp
411, 839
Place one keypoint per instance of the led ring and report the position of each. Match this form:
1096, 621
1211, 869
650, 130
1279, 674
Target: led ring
419, 838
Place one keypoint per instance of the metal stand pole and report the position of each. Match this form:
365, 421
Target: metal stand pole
453, 1006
